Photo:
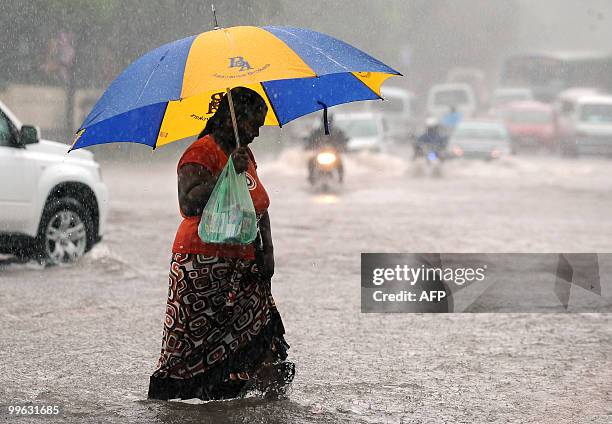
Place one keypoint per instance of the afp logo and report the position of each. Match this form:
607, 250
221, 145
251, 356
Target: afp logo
239, 62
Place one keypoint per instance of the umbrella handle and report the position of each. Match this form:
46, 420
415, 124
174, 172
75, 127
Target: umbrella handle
325, 121
233, 114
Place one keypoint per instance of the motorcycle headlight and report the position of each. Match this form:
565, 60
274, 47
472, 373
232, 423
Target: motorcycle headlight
326, 158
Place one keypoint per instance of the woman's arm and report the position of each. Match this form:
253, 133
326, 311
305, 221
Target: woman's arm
195, 184
268, 248
266, 232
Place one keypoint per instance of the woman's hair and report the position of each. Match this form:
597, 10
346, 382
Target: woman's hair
244, 100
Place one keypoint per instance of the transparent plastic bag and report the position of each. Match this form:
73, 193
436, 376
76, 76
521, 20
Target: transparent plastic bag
229, 215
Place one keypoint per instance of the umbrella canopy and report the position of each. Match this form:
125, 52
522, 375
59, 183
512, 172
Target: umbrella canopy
169, 93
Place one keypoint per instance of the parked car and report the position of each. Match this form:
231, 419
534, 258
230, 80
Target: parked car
565, 102
398, 111
53, 205
531, 124
442, 97
480, 139
365, 130
587, 127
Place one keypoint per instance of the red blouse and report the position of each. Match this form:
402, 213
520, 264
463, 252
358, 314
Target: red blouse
206, 152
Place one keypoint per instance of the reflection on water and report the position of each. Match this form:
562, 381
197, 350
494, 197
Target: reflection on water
249, 410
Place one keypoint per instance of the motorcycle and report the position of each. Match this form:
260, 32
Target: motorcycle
433, 157
325, 169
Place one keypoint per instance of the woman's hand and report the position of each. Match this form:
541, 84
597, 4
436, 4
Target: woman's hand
267, 255
240, 158
268, 264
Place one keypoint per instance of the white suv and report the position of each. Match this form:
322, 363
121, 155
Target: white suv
442, 97
53, 205
586, 125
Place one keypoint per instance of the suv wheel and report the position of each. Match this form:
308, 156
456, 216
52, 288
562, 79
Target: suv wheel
65, 231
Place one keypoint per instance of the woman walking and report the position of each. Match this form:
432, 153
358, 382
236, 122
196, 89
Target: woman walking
223, 335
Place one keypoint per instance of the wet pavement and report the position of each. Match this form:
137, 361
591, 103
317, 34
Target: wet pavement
86, 337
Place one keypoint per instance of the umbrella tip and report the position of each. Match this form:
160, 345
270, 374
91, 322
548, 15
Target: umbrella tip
214, 12
78, 135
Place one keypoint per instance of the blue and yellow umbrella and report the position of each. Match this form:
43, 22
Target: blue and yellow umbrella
169, 93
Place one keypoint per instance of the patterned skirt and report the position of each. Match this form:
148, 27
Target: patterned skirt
223, 335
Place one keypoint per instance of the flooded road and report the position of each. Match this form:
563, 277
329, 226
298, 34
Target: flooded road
86, 337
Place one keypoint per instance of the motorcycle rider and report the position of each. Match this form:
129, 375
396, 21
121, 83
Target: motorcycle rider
317, 140
433, 139
452, 119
